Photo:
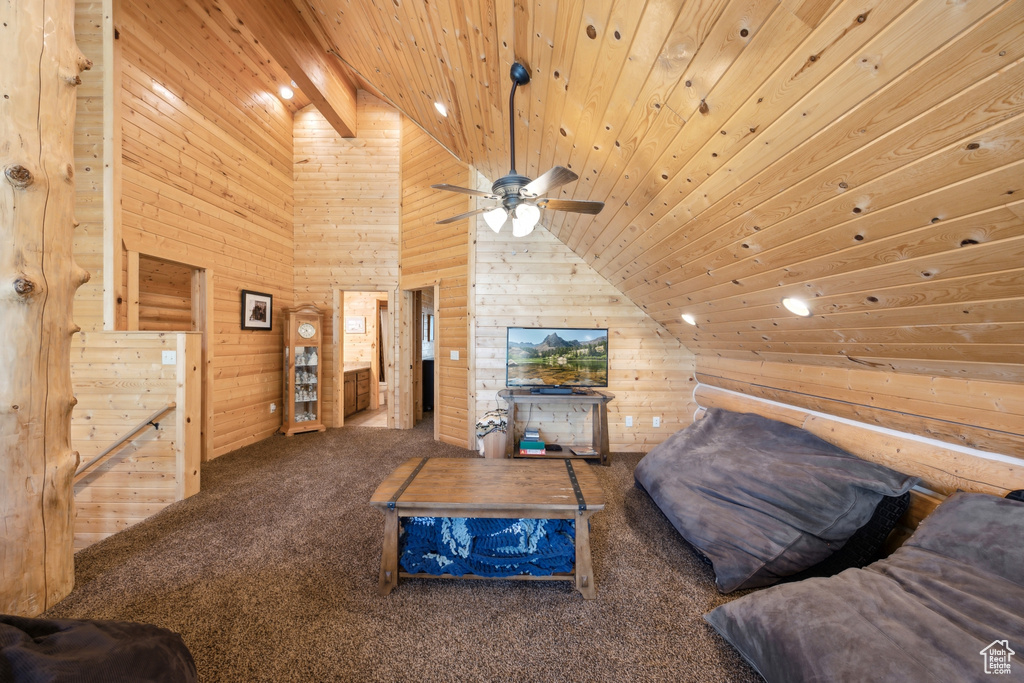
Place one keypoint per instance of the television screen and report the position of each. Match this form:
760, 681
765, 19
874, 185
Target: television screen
556, 357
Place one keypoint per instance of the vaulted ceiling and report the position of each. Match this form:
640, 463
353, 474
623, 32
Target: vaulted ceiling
864, 155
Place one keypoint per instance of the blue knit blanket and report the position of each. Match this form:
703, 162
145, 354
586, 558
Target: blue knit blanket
487, 547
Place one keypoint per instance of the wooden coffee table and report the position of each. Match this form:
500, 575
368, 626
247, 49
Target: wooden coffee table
472, 487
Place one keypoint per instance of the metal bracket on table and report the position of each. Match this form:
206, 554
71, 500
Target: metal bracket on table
575, 485
401, 489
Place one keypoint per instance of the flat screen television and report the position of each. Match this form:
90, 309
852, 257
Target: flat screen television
556, 357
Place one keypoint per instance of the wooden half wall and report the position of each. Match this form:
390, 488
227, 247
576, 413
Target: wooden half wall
439, 255
120, 380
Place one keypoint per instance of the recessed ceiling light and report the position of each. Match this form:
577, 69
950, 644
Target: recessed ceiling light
286, 93
441, 109
687, 318
796, 306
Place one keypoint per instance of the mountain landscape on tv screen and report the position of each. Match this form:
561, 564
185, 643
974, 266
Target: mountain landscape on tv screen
556, 360
553, 342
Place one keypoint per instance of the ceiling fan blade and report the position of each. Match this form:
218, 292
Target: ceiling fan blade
452, 219
464, 190
571, 205
559, 175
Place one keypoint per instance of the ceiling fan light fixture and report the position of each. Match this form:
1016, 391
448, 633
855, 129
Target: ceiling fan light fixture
524, 220
521, 198
528, 213
495, 218
520, 228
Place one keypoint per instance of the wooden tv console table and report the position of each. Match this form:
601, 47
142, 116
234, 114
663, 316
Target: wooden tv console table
598, 400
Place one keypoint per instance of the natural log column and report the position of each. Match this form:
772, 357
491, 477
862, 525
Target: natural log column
38, 278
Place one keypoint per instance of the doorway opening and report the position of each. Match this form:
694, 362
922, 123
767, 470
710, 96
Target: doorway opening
420, 335
363, 353
171, 296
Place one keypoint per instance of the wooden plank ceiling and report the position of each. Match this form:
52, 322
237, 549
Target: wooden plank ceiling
864, 155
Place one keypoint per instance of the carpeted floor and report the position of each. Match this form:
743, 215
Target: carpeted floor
270, 574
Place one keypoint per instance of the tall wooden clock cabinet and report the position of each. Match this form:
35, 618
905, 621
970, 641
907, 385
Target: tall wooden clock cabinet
302, 362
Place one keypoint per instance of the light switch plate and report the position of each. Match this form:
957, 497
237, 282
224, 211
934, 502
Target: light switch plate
455, 354
629, 420
168, 357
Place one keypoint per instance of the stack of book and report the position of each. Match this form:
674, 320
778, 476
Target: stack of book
532, 448
531, 443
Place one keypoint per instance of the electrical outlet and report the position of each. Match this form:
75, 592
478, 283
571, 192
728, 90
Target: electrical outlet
168, 357
657, 422
454, 354
273, 407
629, 420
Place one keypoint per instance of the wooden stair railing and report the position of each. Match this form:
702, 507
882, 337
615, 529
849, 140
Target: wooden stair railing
149, 421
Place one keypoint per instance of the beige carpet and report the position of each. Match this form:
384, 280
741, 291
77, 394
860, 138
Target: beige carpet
270, 574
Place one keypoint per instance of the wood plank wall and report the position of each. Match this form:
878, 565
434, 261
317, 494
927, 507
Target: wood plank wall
165, 295
207, 181
120, 379
981, 414
439, 253
537, 281
88, 247
346, 213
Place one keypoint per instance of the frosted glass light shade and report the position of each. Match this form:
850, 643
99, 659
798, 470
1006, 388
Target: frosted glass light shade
495, 218
525, 220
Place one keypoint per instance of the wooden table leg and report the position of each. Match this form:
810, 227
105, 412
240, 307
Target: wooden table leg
389, 553
510, 431
584, 565
601, 440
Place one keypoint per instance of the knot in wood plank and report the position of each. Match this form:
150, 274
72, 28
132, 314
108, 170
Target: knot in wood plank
18, 176
23, 286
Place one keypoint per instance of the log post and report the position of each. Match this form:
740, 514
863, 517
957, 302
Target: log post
38, 279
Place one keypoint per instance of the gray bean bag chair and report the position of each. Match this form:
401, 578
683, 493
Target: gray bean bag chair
947, 606
88, 651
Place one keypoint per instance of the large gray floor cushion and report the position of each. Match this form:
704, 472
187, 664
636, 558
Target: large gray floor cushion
947, 606
761, 499
91, 651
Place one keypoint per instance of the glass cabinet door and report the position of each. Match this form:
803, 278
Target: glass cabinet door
306, 387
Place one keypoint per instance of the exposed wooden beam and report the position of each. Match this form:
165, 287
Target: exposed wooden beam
291, 41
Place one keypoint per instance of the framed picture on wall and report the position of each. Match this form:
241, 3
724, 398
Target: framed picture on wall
257, 310
355, 324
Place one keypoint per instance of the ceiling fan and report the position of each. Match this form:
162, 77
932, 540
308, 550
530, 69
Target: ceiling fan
521, 198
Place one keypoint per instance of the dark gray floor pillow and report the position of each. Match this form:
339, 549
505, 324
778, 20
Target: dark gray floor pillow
91, 651
761, 499
929, 612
